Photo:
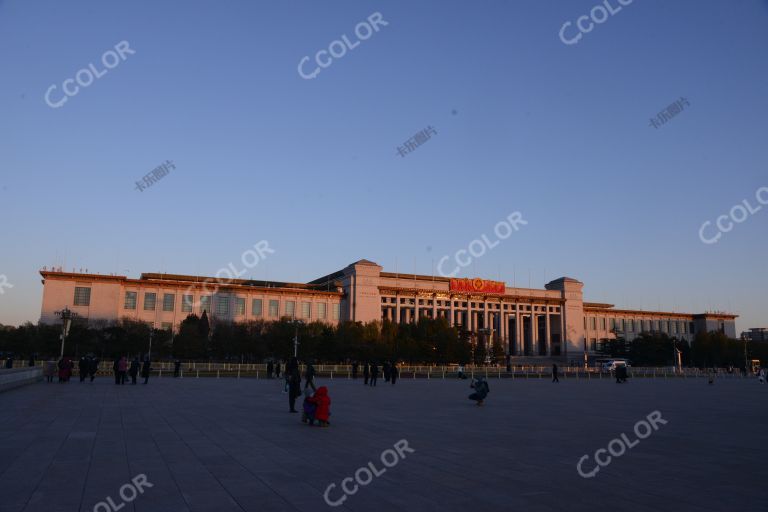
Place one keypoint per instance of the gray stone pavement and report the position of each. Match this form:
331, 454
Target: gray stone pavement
230, 445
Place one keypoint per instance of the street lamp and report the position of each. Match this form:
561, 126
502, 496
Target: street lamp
149, 352
296, 324
66, 322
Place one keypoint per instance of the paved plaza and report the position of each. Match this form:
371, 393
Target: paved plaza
231, 445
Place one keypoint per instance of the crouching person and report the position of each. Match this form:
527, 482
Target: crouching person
481, 390
322, 403
309, 408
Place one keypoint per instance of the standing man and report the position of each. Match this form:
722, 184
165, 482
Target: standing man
116, 370
133, 371
176, 368
554, 373
277, 369
394, 372
354, 370
309, 374
145, 369
93, 368
374, 373
294, 383
82, 367
366, 373
270, 368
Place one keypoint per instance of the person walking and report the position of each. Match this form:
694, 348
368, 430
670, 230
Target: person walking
133, 371
309, 375
145, 369
374, 373
65, 369
123, 369
294, 383
366, 373
394, 372
82, 367
554, 373
116, 370
93, 367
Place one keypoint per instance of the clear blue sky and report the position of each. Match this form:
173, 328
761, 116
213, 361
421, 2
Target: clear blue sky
560, 133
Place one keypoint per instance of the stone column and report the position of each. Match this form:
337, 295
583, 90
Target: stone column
547, 333
534, 332
453, 318
519, 330
434, 306
397, 308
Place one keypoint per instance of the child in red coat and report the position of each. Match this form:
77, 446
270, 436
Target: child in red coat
323, 403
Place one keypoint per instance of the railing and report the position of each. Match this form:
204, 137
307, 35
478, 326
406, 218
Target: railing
344, 371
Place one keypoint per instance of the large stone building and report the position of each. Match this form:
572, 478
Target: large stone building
554, 321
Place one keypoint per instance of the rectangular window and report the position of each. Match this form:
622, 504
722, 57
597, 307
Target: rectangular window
290, 308
622, 325
593, 320
239, 305
82, 296
306, 309
150, 301
222, 306
186, 303
256, 307
612, 323
674, 327
336, 311
322, 311
130, 300
168, 300
166, 326
602, 323
274, 308
205, 303
631, 325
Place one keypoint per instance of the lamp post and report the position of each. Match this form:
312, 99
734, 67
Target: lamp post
296, 324
149, 352
66, 322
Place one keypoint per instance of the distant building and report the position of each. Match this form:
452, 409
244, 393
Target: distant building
554, 321
755, 334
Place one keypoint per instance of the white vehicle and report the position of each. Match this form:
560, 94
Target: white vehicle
610, 365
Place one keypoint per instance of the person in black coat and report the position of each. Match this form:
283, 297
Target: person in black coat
93, 368
277, 370
366, 373
374, 373
294, 383
385, 370
354, 370
176, 368
82, 367
394, 372
270, 369
554, 373
145, 370
309, 375
133, 371
116, 370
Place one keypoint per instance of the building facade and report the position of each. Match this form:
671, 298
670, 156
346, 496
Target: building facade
554, 321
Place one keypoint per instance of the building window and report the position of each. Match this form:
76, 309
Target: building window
290, 308
150, 301
82, 296
593, 322
612, 323
322, 310
336, 311
168, 300
630, 325
222, 306
256, 307
205, 303
130, 300
674, 327
166, 326
306, 309
239, 305
602, 323
274, 308
186, 303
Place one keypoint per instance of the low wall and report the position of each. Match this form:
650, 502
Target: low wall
16, 377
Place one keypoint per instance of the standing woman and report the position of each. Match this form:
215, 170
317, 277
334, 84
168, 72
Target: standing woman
294, 383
